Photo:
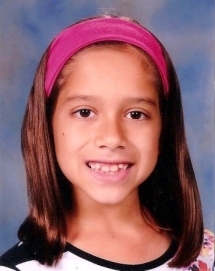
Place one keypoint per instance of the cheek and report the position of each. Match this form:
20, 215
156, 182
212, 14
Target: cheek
60, 139
148, 133
147, 142
65, 150
68, 140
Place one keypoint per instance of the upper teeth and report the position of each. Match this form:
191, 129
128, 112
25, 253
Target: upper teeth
107, 167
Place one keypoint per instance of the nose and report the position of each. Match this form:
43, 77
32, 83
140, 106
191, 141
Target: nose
111, 135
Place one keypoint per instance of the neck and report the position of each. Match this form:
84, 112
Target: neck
100, 217
117, 232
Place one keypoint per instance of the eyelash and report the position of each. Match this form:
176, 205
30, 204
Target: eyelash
83, 110
138, 115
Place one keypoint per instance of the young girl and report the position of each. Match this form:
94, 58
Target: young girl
110, 181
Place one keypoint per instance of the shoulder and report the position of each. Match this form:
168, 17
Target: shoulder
205, 260
16, 255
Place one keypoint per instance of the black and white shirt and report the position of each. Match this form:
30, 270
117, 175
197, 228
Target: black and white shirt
22, 258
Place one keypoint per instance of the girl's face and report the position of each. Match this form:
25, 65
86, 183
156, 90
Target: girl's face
107, 125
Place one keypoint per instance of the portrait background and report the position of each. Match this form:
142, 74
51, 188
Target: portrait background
185, 27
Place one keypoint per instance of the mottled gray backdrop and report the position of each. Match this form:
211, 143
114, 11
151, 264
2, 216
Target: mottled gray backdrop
186, 28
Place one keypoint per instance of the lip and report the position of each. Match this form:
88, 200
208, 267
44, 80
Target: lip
113, 177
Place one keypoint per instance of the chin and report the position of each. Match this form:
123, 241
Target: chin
111, 198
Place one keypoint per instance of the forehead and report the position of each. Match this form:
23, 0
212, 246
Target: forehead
98, 72
139, 57
108, 74
75, 75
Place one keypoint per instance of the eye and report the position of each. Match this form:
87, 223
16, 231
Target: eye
137, 115
84, 113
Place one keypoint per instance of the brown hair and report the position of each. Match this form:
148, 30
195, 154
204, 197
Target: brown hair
170, 194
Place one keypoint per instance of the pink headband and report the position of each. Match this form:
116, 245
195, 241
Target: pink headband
78, 36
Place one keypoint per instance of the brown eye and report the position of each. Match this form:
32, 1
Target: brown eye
84, 113
137, 115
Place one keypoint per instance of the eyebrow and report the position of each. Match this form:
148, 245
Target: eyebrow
80, 97
146, 100
89, 98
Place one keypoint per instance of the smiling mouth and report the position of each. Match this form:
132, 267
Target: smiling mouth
108, 168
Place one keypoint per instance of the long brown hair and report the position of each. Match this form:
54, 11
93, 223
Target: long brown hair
170, 194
